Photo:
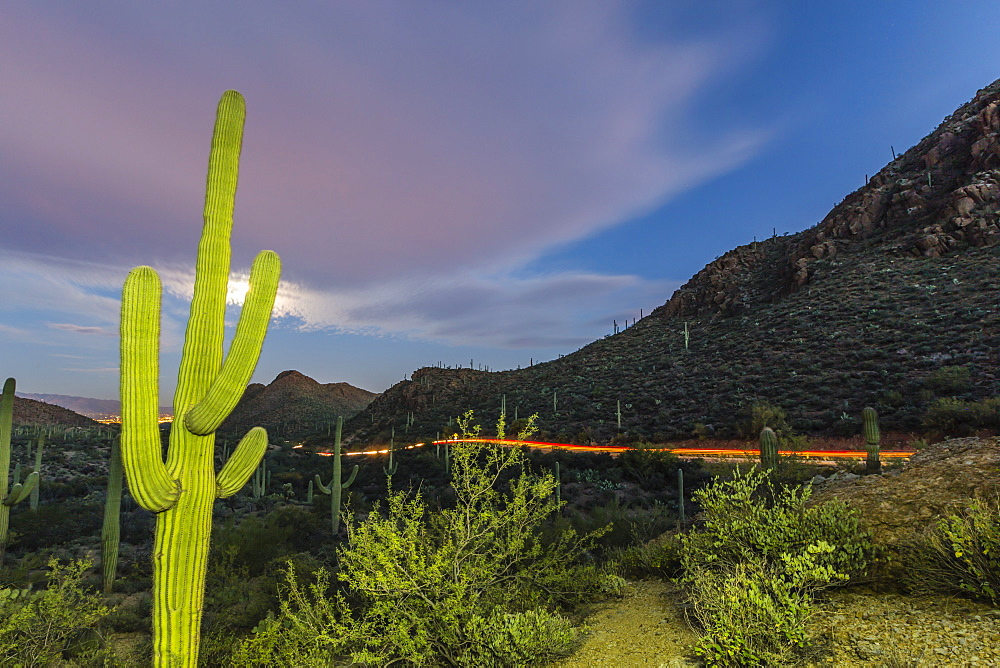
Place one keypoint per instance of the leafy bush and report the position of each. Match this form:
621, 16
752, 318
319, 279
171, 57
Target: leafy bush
36, 628
949, 380
955, 416
659, 557
469, 585
959, 555
760, 557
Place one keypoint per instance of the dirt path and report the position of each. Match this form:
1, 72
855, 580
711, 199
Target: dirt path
647, 629
644, 629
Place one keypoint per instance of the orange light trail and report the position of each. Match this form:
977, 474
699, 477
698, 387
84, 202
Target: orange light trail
680, 452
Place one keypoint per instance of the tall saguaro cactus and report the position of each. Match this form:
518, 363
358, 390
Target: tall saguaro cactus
183, 489
337, 486
9, 496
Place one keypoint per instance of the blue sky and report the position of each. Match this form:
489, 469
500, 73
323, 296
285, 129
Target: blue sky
444, 181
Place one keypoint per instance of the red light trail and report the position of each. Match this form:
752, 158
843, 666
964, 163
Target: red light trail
687, 453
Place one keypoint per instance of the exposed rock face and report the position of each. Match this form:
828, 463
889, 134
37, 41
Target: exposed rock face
295, 401
939, 196
936, 481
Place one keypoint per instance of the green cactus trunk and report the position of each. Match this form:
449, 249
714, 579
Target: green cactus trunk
869, 420
768, 447
183, 489
337, 486
9, 495
111, 529
33, 498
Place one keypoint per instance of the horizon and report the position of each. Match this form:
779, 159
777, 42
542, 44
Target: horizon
444, 183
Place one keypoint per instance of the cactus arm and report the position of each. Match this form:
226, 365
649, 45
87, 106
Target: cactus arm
242, 463
323, 488
350, 478
228, 387
20, 492
151, 486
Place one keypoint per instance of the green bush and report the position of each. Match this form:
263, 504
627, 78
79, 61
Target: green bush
959, 555
448, 586
955, 416
949, 380
36, 628
758, 559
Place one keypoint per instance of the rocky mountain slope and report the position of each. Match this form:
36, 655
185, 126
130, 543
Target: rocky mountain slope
295, 403
874, 305
92, 408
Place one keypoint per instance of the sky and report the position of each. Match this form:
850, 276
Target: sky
445, 182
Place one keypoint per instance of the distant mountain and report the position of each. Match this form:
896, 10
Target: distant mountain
875, 305
31, 412
93, 408
294, 403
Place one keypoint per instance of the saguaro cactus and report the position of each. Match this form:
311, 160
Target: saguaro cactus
9, 496
869, 421
768, 447
337, 485
182, 489
111, 529
393, 466
33, 498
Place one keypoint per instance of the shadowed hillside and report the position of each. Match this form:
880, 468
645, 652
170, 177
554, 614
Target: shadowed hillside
294, 403
875, 305
31, 412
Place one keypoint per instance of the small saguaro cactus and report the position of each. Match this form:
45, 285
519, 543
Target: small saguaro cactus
33, 498
768, 447
259, 482
869, 422
393, 466
337, 486
111, 529
183, 489
9, 495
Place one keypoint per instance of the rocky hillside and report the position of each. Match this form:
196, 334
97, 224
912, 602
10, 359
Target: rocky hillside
294, 403
891, 301
92, 408
31, 412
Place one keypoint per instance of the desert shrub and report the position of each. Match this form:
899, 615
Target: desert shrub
955, 416
959, 555
448, 586
759, 558
659, 557
36, 628
646, 462
763, 414
949, 380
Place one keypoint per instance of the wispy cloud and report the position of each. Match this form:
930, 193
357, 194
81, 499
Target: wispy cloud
81, 329
368, 156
